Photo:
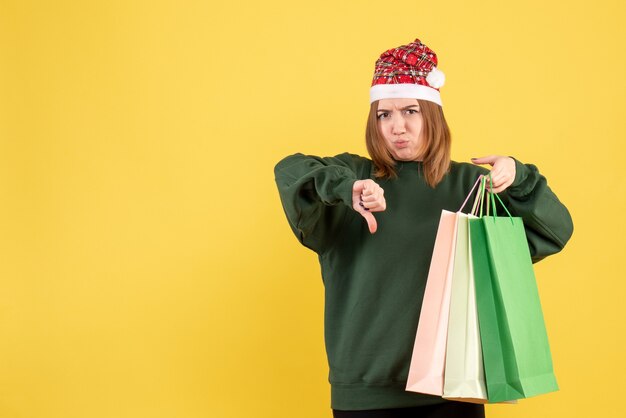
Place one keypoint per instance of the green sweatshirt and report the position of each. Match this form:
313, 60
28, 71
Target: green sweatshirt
374, 283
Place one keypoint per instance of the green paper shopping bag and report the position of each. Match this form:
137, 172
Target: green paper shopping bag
516, 352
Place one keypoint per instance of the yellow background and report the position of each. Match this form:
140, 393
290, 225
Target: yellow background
146, 267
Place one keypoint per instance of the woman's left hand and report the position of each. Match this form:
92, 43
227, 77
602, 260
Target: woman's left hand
502, 171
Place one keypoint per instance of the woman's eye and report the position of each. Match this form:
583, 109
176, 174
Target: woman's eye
382, 115
412, 111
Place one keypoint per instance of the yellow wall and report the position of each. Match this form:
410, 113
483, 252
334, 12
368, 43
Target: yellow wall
146, 266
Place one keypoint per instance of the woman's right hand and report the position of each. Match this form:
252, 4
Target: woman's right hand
368, 197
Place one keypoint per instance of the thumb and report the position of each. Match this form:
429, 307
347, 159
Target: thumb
371, 221
491, 159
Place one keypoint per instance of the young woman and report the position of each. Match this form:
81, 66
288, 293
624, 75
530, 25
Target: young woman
373, 221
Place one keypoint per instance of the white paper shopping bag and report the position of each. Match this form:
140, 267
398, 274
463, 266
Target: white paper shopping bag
464, 377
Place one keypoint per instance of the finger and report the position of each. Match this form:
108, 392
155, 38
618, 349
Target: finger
371, 221
502, 178
496, 173
493, 188
372, 206
357, 191
368, 205
371, 198
496, 179
490, 159
501, 187
362, 185
504, 186
373, 203
368, 190
375, 195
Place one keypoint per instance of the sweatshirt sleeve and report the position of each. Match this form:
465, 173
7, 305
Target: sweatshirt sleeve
316, 194
547, 221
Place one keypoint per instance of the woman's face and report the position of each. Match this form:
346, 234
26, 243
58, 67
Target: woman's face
400, 122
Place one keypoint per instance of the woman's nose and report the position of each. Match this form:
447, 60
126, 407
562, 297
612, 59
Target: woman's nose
397, 125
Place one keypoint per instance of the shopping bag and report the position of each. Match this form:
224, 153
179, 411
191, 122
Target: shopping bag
428, 359
464, 377
426, 371
516, 352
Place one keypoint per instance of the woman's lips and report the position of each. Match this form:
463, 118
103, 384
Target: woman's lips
401, 144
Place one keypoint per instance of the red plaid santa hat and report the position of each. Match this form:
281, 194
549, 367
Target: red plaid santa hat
407, 72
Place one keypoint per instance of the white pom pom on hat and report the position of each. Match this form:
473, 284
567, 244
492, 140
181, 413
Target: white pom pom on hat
436, 78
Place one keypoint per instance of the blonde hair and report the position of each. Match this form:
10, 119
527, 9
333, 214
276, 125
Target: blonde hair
435, 149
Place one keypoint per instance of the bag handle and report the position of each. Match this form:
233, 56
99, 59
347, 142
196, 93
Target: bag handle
493, 201
480, 198
477, 206
470, 193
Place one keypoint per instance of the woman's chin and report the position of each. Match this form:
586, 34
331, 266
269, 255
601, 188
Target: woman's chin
404, 156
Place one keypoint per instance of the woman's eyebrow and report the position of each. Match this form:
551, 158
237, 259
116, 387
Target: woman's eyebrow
403, 108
